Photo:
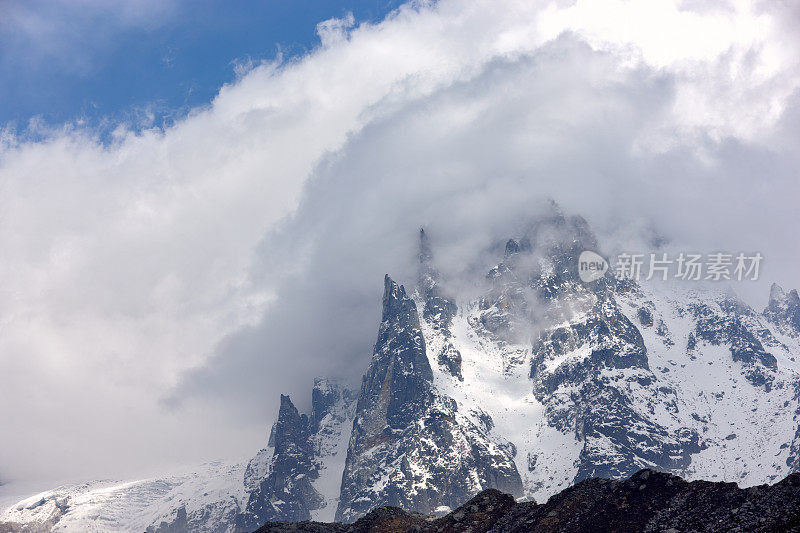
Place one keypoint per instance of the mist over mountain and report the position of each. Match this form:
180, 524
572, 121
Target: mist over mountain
530, 382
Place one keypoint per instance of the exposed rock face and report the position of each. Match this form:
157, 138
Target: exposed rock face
605, 366
287, 490
397, 385
281, 484
410, 447
529, 381
438, 309
783, 310
726, 325
588, 363
602, 371
648, 501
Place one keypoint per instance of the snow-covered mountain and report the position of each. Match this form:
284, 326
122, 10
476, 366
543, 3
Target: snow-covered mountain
297, 476
195, 501
539, 382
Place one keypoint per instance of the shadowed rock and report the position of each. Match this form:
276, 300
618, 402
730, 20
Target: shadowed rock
648, 501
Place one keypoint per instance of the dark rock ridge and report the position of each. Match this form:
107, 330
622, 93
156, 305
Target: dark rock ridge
648, 501
281, 486
287, 490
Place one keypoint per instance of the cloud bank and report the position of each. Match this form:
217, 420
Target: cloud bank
158, 292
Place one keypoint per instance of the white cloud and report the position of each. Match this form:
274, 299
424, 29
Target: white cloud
334, 31
302, 183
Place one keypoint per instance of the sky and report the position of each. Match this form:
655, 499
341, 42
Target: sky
145, 62
164, 278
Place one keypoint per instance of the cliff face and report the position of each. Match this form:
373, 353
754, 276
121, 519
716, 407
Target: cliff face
286, 491
410, 447
290, 480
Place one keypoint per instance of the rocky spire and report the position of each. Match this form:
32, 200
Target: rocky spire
286, 493
427, 274
395, 393
406, 448
399, 362
776, 296
512, 247
425, 255
783, 309
291, 430
438, 309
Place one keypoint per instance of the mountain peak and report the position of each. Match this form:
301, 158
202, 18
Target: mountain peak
512, 247
776, 295
424, 247
783, 309
395, 299
291, 426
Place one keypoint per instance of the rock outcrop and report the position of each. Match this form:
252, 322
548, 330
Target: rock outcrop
648, 501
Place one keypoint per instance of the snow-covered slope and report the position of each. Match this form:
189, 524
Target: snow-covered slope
742, 407
744, 431
574, 379
608, 378
216, 497
536, 383
206, 499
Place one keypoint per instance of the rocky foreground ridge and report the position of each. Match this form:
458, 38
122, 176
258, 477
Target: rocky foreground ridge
647, 501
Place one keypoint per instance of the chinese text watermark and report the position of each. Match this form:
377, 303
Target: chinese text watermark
715, 266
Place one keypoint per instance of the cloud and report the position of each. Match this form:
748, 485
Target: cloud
156, 294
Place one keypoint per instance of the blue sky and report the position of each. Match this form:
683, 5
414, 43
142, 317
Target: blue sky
68, 61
